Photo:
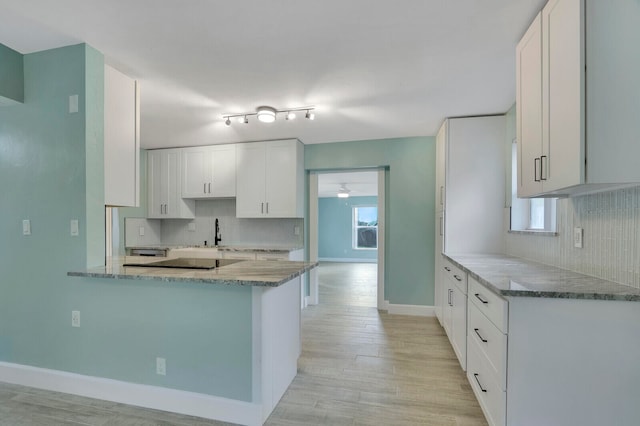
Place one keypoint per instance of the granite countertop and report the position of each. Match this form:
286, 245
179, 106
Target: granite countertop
245, 273
266, 248
515, 277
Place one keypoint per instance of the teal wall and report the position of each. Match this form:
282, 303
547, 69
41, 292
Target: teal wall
11, 75
335, 228
51, 170
410, 199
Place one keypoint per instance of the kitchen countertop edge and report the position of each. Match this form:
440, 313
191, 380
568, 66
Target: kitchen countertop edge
631, 294
103, 272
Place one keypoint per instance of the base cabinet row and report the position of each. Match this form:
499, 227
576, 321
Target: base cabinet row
547, 361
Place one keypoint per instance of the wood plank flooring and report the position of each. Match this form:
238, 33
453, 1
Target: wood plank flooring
358, 367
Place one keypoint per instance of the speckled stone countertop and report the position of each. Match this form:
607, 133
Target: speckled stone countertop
263, 273
236, 248
512, 276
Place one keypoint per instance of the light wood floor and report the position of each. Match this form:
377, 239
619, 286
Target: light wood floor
358, 367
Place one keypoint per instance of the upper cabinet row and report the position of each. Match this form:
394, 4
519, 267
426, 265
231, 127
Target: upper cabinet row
266, 178
577, 98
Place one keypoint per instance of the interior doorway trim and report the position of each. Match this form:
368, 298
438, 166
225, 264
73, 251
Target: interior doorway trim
313, 235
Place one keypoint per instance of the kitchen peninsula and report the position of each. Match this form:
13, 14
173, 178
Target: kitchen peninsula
260, 328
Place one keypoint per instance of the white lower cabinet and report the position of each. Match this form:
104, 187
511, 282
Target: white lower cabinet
487, 351
454, 310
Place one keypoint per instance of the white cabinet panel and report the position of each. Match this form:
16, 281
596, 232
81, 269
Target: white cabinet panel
270, 179
121, 139
164, 186
589, 97
209, 171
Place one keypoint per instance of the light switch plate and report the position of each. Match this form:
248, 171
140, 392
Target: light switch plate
26, 227
75, 231
577, 237
73, 104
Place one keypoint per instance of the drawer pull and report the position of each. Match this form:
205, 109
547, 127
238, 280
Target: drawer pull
481, 299
446, 268
481, 338
475, 376
457, 277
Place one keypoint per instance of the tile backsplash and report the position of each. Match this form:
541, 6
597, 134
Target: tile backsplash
234, 231
611, 239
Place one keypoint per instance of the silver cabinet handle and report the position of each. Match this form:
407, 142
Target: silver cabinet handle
457, 277
441, 227
475, 375
535, 169
262, 208
446, 268
543, 176
450, 297
267, 207
204, 188
209, 187
481, 338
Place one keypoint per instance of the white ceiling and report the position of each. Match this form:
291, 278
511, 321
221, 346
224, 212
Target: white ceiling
372, 69
360, 184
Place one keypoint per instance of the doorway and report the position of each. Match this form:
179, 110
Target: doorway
348, 230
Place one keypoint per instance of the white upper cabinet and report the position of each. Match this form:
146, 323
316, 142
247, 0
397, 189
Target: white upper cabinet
164, 186
270, 179
586, 138
529, 109
209, 171
121, 139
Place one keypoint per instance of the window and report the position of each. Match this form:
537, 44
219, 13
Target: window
365, 228
532, 214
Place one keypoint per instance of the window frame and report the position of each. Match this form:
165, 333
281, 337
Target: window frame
355, 226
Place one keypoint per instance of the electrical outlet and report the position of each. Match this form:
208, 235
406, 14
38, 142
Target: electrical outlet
577, 237
73, 104
141, 231
161, 366
75, 318
296, 230
26, 227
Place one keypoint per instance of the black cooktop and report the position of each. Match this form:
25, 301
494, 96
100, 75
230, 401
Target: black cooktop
186, 263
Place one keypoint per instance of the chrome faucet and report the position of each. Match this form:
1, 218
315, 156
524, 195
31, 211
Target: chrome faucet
218, 237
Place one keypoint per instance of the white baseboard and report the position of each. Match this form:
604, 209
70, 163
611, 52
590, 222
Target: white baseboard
159, 398
346, 260
414, 310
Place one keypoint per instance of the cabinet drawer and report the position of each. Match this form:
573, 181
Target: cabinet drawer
490, 304
455, 275
490, 395
491, 341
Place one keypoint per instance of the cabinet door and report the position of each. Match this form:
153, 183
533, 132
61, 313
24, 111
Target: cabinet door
250, 177
438, 285
447, 307
458, 335
155, 203
441, 140
280, 179
171, 189
529, 109
195, 172
563, 93
223, 171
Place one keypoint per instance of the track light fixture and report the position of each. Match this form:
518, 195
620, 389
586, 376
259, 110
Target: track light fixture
267, 114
